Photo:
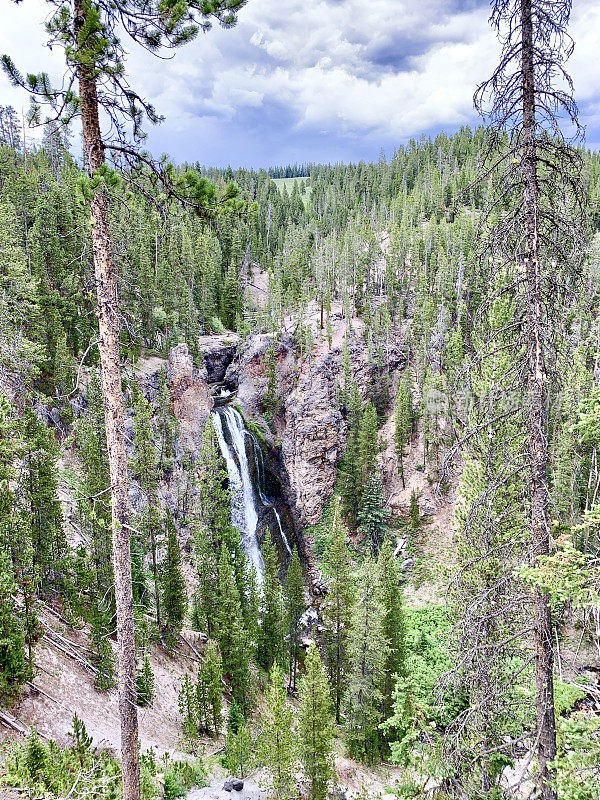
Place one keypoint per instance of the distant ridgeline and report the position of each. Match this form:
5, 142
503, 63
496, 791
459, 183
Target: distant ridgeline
179, 276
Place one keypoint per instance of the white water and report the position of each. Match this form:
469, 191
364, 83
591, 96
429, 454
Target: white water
243, 505
258, 461
283, 536
243, 496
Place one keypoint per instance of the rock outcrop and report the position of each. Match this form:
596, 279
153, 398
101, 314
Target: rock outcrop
307, 427
217, 353
314, 436
190, 396
248, 372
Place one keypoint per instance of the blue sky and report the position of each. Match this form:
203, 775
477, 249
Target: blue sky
316, 80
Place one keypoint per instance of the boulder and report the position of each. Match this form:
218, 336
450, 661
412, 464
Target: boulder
233, 784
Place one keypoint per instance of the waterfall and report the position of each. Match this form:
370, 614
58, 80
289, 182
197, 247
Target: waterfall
243, 493
283, 536
243, 506
260, 485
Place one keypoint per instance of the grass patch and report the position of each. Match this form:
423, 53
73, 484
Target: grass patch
289, 185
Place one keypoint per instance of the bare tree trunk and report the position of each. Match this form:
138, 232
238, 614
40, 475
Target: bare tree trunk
538, 417
108, 324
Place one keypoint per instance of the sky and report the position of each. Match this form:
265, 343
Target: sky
315, 80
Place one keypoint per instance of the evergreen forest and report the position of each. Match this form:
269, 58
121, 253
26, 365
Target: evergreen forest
299, 466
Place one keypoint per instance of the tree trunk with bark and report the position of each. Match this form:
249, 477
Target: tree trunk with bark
108, 325
538, 416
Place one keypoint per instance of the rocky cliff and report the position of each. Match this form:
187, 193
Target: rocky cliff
306, 424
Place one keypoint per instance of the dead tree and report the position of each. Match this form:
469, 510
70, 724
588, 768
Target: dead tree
533, 241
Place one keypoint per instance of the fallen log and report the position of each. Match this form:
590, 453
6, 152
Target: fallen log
14, 723
49, 696
55, 641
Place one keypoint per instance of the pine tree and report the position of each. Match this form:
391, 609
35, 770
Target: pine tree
240, 749
271, 402
230, 304
346, 387
350, 468
40, 503
531, 95
491, 515
403, 422
213, 528
82, 742
104, 657
270, 639
367, 655
21, 353
434, 409
251, 610
231, 633
239, 746
145, 469
371, 516
277, 743
13, 670
35, 758
393, 625
338, 607
167, 425
173, 585
188, 709
293, 592
454, 351
209, 687
94, 56
145, 683
368, 439
26, 573
63, 367
315, 726
235, 718
94, 504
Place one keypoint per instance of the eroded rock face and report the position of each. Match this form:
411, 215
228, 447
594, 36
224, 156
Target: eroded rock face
248, 372
190, 395
314, 437
308, 428
217, 354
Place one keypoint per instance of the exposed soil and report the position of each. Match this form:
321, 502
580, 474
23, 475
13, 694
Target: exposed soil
67, 688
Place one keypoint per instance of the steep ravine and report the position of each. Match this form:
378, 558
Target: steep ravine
291, 456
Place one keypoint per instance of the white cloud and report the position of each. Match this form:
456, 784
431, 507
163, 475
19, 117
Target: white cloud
386, 69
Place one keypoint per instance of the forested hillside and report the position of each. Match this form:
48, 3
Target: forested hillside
357, 412
352, 263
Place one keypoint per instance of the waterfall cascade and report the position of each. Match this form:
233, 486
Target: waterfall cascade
244, 495
260, 485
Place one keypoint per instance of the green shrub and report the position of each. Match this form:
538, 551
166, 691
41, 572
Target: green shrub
189, 773
217, 326
173, 788
566, 695
427, 629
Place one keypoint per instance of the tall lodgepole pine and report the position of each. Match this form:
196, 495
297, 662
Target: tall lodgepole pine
538, 415
108, 343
